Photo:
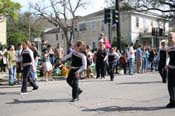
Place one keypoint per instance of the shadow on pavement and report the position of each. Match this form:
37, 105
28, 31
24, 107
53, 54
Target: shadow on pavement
4, 86
11, 93
17, 101
117, 108
150, 82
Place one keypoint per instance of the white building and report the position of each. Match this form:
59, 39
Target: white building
3, 31
134, 26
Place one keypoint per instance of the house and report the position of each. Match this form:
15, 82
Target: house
172, 25
135, 26
3, 31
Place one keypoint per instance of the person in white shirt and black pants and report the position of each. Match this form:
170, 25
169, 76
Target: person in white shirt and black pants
28, 67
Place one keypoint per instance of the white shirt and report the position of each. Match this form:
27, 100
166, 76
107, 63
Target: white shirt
131, 52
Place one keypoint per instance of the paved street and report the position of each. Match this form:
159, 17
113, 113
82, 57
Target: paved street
137, 95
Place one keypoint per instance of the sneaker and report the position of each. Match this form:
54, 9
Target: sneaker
80, 92
73, 100
35, 88
171, 105
23, 93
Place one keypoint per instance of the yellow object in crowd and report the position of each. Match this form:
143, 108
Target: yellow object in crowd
64, 71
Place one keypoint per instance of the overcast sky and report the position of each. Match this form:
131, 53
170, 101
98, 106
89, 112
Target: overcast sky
93, 6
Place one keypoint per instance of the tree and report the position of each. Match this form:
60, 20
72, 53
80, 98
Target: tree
8, 9
60, 13
25, 28
167, 7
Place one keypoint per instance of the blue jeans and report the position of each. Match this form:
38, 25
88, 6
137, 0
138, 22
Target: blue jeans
34, 73
131, 66
145, 64
12, 74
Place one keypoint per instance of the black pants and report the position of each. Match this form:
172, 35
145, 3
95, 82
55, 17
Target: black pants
3, 68
162, 71
100, 69
27, 77
72, 80
171, 84
111, 70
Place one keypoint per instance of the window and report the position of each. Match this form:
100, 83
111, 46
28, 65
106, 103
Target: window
102, 26
137, 21
93, 26
57, 37
144, 23
93, 45
151, 23
82, 27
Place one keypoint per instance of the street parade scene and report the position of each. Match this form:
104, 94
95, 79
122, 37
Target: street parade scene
87, 58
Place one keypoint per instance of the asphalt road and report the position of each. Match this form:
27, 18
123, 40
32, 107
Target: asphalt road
137, 95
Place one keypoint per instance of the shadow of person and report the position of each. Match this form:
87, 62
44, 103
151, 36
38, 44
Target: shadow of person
17, 101
6, 86
11, 93
150, 82
117, 108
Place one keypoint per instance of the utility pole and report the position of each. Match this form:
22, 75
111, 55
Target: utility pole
118, 33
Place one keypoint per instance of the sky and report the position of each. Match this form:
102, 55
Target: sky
92, 6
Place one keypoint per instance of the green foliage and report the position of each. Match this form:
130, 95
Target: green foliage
9, 8
18, 30
15, 38
122, 43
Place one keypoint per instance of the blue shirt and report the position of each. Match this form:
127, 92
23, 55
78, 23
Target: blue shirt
139, 54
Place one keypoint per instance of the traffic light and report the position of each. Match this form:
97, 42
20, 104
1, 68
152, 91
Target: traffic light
153, 31
115, 16
107, 16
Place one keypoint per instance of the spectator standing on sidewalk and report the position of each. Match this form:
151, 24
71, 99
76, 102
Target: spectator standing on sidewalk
131, 59
145, 59
3, 60
139, 58
19, 63
36, 57
11, 64
101, 55
59, 53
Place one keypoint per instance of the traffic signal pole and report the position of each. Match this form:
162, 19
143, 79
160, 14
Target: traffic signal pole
118, 33
109, 32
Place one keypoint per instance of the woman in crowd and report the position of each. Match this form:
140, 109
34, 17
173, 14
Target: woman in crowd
3, 60
101, 56
47, 66
36, 57
19, 63
89, 61
112, 58
79, 63
11, 64
145, 59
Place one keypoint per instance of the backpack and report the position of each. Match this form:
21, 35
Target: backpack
122, 60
